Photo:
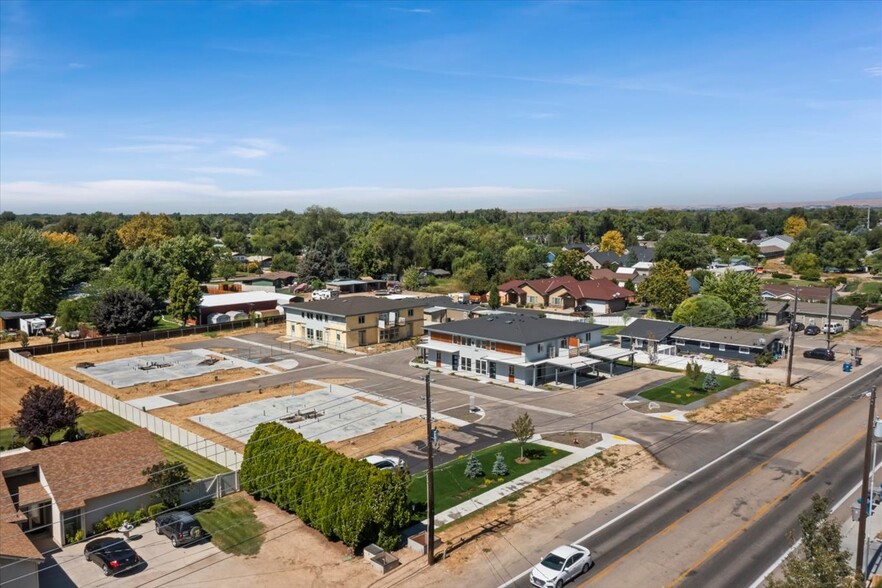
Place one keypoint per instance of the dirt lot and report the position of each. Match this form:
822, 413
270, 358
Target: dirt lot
865, 335
518, 526
179, 415
750, 404
393, 435
14, 382
65, 362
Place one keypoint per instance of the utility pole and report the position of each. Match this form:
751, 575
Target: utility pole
792, 337
430, 475
829, 312
866, 499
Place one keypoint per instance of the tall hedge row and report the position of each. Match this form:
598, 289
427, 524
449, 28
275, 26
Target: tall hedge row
344, 498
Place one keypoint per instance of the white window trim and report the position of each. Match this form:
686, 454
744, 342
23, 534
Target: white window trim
744, 350
679, 342
703, 345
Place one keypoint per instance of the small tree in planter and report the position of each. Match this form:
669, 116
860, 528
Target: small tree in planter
500, 468
693, 372
169, 479
735, 372
523, 429
710, 382
474, 469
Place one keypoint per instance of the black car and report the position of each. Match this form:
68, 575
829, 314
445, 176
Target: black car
820, 353
179, 526
585, 308
111, 554
797, 327
812, 330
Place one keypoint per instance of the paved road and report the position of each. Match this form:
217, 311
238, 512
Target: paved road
655, 544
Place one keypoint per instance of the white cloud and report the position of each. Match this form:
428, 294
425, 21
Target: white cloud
247, 152
153, 148
874, 72
171, 196
35, 134
231, 171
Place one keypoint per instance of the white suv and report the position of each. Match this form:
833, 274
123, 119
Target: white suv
832, 328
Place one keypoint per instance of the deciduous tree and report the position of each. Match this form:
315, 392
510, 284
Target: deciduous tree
688, 250
169, 479
613, 241
665, 287
794, 225
523, 430
705, 310
184, 298
146, 229
123, 311
741, 291
571, 263
45, 410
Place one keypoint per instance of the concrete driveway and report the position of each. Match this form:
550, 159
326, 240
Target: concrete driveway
68, 568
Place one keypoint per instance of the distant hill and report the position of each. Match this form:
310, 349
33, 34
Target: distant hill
862, 196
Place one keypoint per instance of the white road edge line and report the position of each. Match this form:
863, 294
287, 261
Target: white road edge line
705, 466
793, 547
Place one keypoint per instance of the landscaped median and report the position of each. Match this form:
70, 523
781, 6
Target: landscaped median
452, 487
683, 391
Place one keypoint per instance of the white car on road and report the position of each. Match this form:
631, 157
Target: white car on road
560, 566
386, 462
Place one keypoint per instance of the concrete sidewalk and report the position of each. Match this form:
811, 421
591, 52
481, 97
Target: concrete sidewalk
577, 454
873, 555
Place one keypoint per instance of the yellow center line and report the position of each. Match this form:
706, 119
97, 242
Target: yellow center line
607, 569
761, 512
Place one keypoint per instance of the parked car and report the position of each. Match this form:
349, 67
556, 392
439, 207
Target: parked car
112, 554
586, 308
179, 526
797, 327
820, 353
560, 566
386, 462
834, 328
812, 330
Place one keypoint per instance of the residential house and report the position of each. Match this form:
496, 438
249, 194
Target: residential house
435, 273
62, 489
442, 309
236, 304
815, 313
534, 292
355, 321
738, 269
579, 247
694, 284
19, 558
599, 259
347, 286
278, 279
774, 246
806, 293
726, 343
776, 313
566, 292
647, 334
513, 347
264, 262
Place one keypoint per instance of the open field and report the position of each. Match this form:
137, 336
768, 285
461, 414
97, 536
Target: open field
681, 391
750, 404
14, 382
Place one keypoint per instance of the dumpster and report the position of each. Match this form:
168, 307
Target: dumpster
846, 367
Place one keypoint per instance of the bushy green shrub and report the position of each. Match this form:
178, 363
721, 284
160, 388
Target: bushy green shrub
781, 276
473, 468
763, 359
113, 521
75, 538
155, 509
343, 498
811, 275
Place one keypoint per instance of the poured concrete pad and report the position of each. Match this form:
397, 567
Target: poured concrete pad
341, 413
132, 371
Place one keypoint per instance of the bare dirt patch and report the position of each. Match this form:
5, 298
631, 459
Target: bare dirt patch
14, 382
386, 347
517, 527
32, 340
180, 415
750, 404
390, 436
342, 381
369, 400
866, 334
573, 438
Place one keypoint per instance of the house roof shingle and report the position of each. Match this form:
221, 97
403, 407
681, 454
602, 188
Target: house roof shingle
820, 309
519, 329
605, 257
354, 305
805, 292
596, 290
650, 329
65, 467
726, 336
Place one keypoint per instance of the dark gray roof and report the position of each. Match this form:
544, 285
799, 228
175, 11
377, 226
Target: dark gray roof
447, 302
649, 329
354, 305
726, 336
643, 254
514, 328
775, 306
12, 314
820, 309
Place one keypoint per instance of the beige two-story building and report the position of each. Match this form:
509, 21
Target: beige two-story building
354, 321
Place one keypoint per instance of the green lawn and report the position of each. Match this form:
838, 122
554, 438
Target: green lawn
108, 423
161, 324
680, 392
443, 286
233, 527
870, 287
452, 487
611, 331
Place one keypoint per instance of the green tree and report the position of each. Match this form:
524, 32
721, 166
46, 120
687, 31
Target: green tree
473, 468
437, 244
571, 263
741, 291
169, 479
665, 287
493, 299
523, 430
500, 468
843, 251
193, 254
284, 261
70, 313
613, 240
123, 311
474, 278
794, 225
688, 250
27, 284
820, 561
520, 260
711, 384
410, 279
805, 262
184, 298
225, 266
874, 263
693, 373
705, 310
145, 229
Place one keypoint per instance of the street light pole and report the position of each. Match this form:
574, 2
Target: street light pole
792, 337
865, 483
430, 476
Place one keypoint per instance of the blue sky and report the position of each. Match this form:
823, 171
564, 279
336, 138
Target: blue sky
260, 106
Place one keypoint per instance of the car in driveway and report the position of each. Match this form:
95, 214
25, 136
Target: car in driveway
113, 555
179, 526
386, 462
797, 327
560, 566
812, 330
820, 353
834, 328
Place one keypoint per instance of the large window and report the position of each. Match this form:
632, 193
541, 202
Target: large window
704, 345
361, 320
745, 351
73, 522
467, 364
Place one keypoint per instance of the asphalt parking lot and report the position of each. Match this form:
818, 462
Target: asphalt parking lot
72, 570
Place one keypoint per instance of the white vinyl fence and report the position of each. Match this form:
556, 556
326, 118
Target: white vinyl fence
606, 321
208, 449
